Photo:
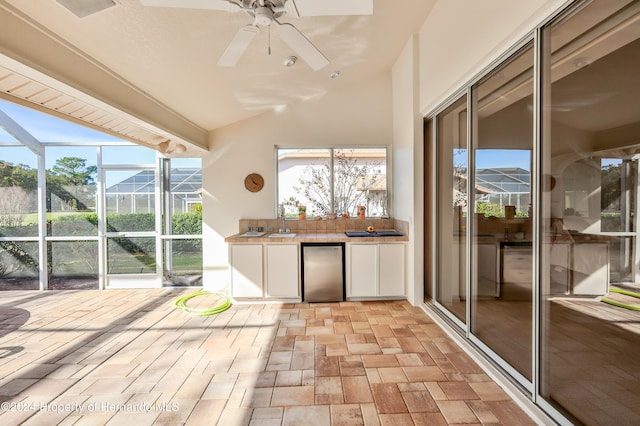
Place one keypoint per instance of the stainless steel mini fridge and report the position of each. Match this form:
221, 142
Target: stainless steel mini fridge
323, 272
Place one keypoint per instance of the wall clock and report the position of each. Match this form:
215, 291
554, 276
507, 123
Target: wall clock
253, 182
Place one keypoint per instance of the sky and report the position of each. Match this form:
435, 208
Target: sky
498, 158
495, 158
47, 128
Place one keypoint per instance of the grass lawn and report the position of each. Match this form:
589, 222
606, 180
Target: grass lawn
32, 218
144, 264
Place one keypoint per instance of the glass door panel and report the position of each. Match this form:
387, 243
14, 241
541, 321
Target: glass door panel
589, 349
502, 261
131, 245
451, 210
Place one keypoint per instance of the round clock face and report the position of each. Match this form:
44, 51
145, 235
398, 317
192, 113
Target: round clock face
254, 182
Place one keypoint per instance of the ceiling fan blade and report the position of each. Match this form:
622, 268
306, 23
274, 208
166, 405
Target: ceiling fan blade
302, 46
225, 5
328, 7
238, 46
86, 7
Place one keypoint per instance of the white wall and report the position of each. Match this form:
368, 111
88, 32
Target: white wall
357, 116
461, 37
458, 39
407, 162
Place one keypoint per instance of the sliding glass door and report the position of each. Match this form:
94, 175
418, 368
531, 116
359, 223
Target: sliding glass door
502, 263
591, 140
452, 209
537, 184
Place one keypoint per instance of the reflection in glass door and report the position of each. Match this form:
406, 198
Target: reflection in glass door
130, 227
589, 349
619, 180
502, 262
452, 200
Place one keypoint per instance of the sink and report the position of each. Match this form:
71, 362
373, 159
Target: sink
282, 235
252, 234
381, 233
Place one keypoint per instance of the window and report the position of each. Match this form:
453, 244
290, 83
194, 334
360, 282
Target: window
327, 181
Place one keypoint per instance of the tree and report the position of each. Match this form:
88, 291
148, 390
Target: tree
18, 185
15, 203
353, 181
74, 171
18, 175
71, 174
610, 194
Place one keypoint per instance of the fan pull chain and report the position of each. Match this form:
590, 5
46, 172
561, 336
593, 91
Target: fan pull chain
269, 41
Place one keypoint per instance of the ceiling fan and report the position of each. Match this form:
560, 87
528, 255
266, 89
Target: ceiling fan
265, 13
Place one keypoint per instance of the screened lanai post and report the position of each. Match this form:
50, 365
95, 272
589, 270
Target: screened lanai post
101, 210
42, 224
167, 214
158, 231
635, 266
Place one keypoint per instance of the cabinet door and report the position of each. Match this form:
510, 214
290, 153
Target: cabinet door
487, 280
363, 270
391, 269
246, 270
283, 263
591, 269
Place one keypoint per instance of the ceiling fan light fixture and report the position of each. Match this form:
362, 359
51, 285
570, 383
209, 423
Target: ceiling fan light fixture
263, 16
290, 61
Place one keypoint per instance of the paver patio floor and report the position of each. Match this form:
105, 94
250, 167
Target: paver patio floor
128, 357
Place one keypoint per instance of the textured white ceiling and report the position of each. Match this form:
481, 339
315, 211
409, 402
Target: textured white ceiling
171, 54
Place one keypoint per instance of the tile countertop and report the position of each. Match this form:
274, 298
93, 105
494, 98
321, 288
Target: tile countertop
336, 237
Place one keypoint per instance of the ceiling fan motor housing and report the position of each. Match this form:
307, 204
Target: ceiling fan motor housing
263, 16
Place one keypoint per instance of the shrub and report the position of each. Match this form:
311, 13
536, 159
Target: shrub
187, 223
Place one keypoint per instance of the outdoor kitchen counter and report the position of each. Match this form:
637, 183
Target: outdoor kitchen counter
312, 238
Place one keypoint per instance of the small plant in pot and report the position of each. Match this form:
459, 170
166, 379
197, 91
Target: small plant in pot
361, 212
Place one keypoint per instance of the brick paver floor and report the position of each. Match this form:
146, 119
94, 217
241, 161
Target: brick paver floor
128, 357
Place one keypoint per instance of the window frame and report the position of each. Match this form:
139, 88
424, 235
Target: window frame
331, 152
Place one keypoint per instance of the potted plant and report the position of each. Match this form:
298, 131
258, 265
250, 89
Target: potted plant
361, 212
302, 212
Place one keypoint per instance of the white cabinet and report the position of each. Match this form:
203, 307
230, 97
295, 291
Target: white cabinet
246, 270
391, 270
265, 270
362, 270
282, 270
375, 270
590, 269
272, 270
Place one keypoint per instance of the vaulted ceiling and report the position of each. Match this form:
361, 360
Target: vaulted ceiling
150, 74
